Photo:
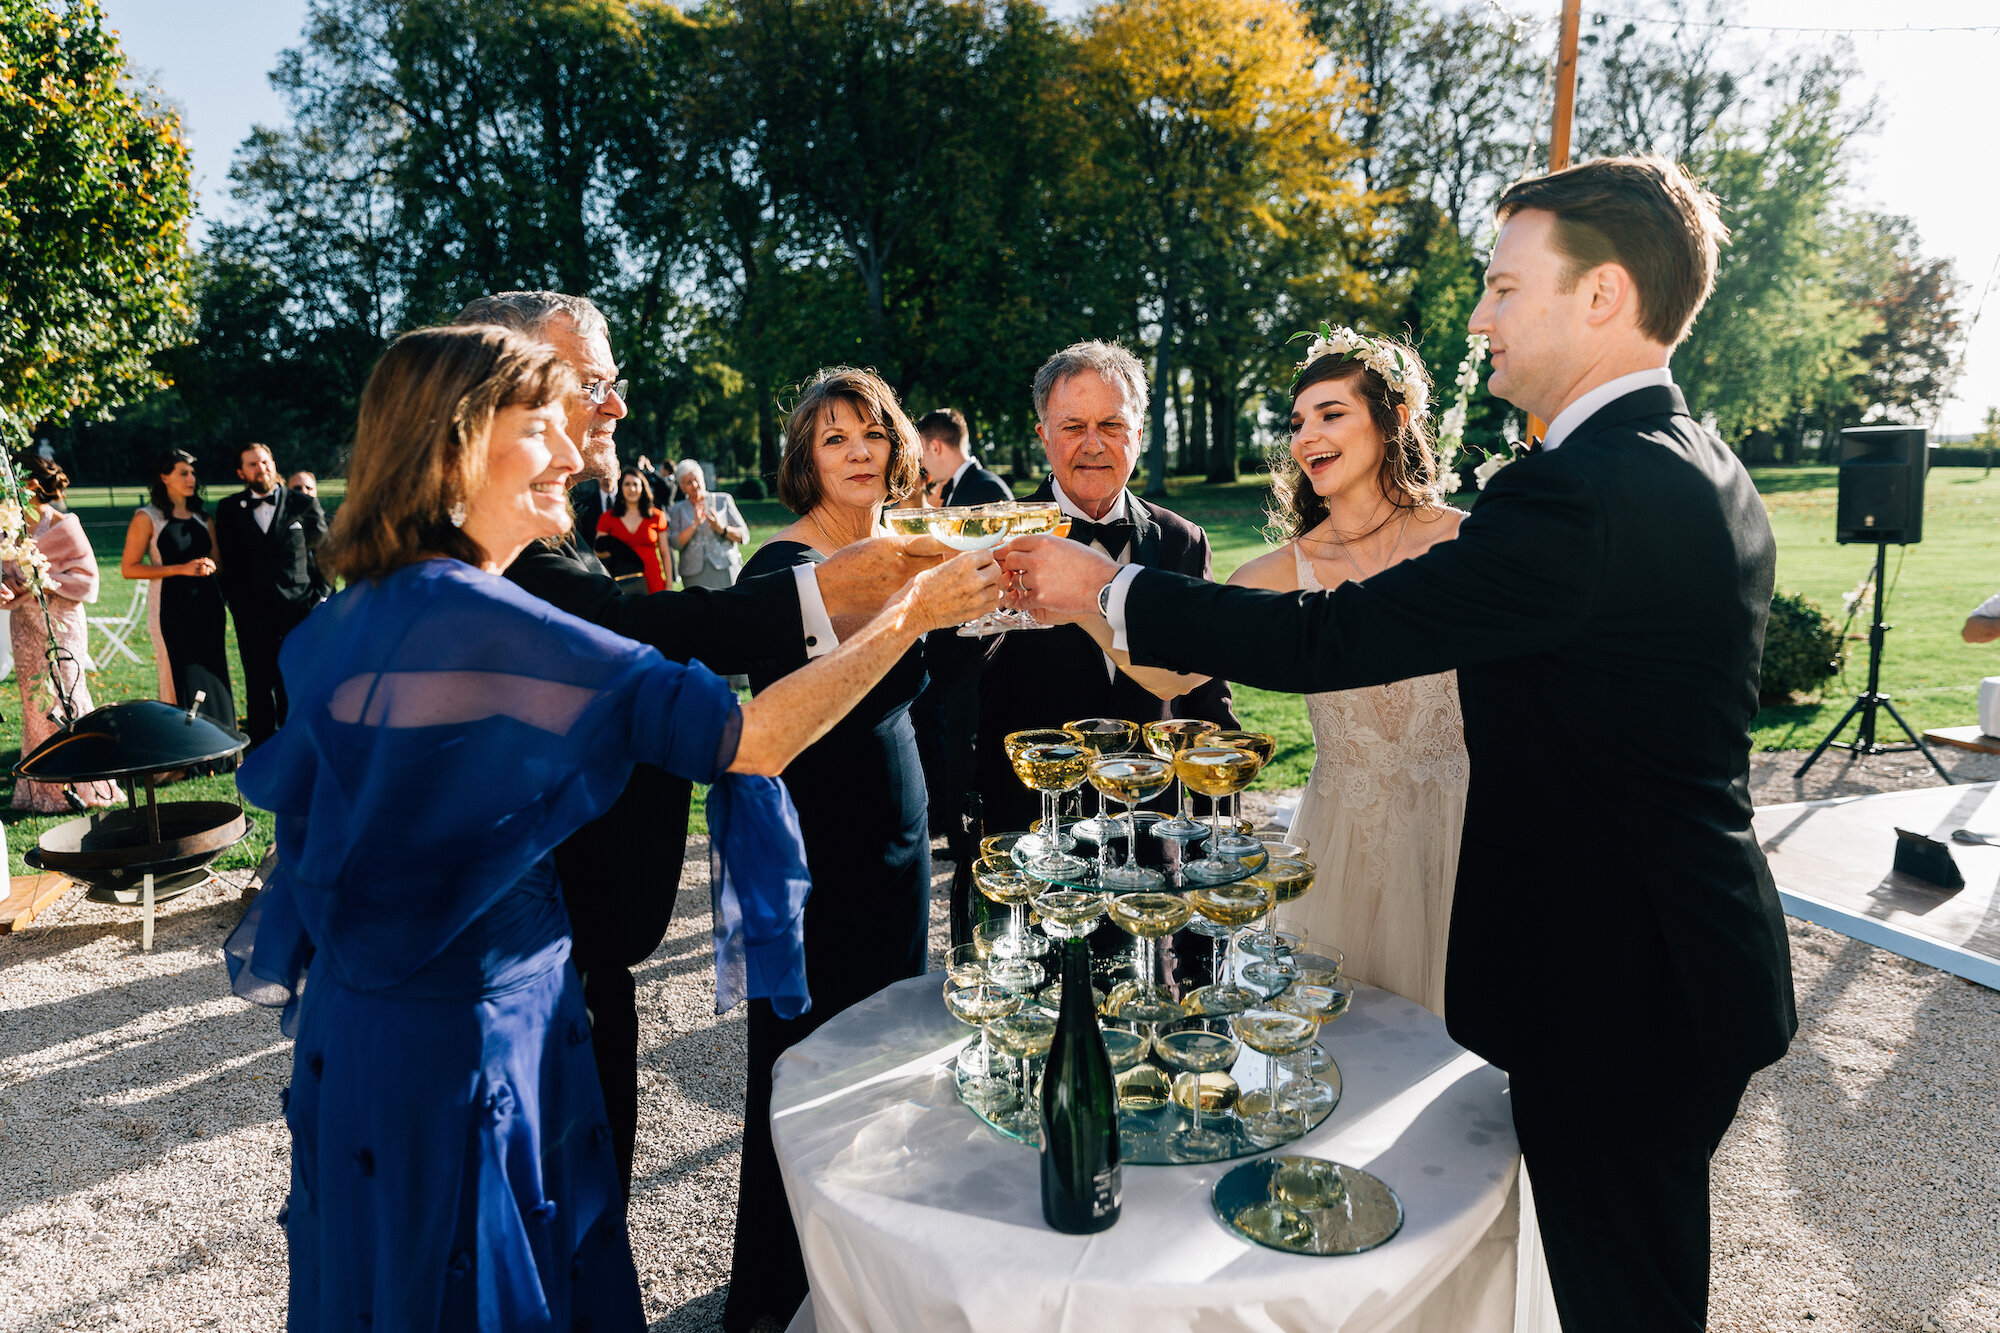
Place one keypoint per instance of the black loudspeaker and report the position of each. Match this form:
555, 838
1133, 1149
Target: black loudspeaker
1882, 485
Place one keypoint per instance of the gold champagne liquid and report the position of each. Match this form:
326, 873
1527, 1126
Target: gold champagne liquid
1218, 1092
1131, 780
1052, 997
1260, 743
1167, 739
1196, 1050
1215, 770
1035, 519
981, 1004
1322, 1004
966, 974
1126, 1048
1053, 767
1142, 1088
1007, 886
971, 529
1022, 1036
1288, 877
1149, 915
908, 522
1273, 1032
1062, 526
1070, 908
1231, 905
1018, 741
1309, 1183
1104, 735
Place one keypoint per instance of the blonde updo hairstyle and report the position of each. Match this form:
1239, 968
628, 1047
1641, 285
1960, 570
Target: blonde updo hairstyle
1410, 472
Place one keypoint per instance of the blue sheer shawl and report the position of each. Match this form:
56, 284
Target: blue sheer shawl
446, 730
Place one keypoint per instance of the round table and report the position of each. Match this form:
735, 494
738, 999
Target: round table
915, 1216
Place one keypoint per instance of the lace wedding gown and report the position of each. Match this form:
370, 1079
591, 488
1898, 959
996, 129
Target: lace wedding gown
1382, 810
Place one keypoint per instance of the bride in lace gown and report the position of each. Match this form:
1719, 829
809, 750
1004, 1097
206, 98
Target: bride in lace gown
1387, 794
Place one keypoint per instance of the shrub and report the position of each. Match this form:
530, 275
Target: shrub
1801, 649
751, 488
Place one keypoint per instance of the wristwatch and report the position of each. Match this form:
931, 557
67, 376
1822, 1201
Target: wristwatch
1104, 598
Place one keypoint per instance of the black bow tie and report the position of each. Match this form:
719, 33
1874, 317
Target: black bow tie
1113, 537
270, 499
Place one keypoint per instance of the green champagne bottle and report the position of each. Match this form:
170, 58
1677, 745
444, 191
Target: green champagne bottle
1080, 1182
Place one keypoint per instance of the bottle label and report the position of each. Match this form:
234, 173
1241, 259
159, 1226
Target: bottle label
1106, 1192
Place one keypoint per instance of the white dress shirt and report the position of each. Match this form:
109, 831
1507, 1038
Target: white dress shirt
1586, 407
1120, 511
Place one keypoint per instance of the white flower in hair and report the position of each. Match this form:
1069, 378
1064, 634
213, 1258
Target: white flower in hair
1485, 471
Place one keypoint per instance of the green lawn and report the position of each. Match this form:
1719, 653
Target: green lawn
1933, 675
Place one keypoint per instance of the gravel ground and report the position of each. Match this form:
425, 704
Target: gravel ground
142, 1160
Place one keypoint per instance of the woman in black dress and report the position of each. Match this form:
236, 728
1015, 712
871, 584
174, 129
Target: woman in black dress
849, 449
173, 540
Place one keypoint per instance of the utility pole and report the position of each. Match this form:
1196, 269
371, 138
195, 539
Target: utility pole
1572, 20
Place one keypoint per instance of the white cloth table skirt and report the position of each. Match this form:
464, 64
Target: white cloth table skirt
915, 1216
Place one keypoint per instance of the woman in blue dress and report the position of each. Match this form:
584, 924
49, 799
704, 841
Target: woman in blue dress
451, 1164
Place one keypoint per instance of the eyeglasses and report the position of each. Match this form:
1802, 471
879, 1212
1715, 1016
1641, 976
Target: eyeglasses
599, 390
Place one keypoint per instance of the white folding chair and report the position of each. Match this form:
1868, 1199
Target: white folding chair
117, 629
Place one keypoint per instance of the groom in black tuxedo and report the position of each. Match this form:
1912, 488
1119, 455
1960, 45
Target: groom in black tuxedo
264, 539
1616, 942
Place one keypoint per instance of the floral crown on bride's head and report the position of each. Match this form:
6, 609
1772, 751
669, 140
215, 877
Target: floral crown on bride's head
1398, 366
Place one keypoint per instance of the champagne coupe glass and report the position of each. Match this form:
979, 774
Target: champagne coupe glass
1283, 844
1102, 736
1263, 745
1146, 917
974, 528
908, 522
1127, 1043
1005, 883
1287, 878
1272, 1033
1215, 771
1067, 914
1031, 518
1015, 742
1052, 770
1224, 908
975, 999
1023, 1035
1130, 778
1167, 739
1320, 992
1296, 1183
1198, 1046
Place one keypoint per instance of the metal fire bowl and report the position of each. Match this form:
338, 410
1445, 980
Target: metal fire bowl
111, 851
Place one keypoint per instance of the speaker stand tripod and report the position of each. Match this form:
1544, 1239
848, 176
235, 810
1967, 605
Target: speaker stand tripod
1869, 701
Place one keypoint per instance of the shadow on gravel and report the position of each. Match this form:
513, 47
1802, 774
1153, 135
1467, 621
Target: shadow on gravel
699, 1315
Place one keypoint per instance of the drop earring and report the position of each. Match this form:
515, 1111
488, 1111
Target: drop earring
457, 513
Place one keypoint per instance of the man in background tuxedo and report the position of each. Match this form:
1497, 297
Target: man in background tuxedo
1090, 410
948, 457
620, 874
1625, 562
264, 539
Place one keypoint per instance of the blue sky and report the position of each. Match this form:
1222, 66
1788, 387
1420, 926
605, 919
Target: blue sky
1934, 159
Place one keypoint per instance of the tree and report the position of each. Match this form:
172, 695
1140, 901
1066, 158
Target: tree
1212, 126
1905, 363
95, 203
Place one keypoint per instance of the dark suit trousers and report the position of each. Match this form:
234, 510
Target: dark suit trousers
1620, 1173
612, 998
260, 633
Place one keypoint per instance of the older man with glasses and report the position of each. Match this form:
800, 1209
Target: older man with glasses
620, 874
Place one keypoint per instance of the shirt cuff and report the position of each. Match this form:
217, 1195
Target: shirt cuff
1121, 583
820, 639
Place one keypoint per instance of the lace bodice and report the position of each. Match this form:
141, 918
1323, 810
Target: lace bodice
1382, 739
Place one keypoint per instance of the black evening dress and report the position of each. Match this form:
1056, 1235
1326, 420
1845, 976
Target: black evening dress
863, 809
192, 619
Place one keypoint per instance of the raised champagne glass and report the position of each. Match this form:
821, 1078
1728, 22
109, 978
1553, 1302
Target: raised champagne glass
1022, 1036
1273, 1033
1167, 739
1261, 744
1215, 771
975, 999
974, 528
1015, 742
1052, 770
1031, 518
908, 522
1227, 908
1003, 882
1130, 779
1147, 917
1103, 736
1197, 1046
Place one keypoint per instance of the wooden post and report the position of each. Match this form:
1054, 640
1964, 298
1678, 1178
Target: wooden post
1572, 18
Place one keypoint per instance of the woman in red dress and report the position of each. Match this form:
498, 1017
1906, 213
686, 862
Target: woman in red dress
634, 520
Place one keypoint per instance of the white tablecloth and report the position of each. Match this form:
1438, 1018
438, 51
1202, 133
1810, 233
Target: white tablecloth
915, 1216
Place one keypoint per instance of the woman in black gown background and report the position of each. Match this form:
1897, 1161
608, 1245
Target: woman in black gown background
172, 540
849, 450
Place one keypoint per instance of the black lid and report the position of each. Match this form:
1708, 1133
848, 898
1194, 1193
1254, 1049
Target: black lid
125, 739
